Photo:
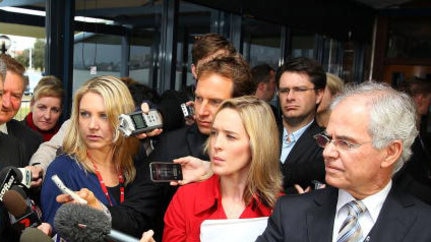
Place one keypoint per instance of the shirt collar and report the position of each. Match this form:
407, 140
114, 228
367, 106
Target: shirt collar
3, 128
296, 134
374, 203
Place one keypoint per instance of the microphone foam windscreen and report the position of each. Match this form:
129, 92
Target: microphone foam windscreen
14, 203
34, 235
79, 223
19, 190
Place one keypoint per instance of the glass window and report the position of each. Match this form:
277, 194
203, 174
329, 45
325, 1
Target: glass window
302, 44
95, 55
333, 56
409, 38
141, 58
194, 20
26, 45
261, 42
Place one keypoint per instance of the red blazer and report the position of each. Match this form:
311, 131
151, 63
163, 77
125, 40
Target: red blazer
196, 202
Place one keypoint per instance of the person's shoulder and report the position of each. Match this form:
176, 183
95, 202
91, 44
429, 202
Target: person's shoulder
312, 198
14, 124
314, 128
63, 162
176, 132
199, 189
176, 135
17, 128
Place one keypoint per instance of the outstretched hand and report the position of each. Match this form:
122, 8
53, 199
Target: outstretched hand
84, 193
193, 170
146, 108
36, 175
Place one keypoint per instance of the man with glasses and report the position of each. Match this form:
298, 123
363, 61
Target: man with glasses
301, 82
368, 139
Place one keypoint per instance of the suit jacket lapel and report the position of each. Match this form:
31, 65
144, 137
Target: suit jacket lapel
320, 220
305, 141
394, 219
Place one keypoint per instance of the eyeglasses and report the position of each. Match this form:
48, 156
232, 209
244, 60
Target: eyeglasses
323, 140
294, 90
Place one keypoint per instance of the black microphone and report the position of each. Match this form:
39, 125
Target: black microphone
8, 177
34, 235
24, 216
79, 223
19, 190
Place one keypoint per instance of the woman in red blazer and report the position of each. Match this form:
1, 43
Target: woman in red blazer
243, 147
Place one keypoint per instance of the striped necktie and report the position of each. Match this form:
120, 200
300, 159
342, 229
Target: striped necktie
350, 230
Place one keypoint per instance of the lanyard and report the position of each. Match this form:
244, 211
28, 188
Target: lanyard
102, 183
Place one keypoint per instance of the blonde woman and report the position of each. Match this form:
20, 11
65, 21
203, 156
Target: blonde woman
334, 85
243, 146
95, 155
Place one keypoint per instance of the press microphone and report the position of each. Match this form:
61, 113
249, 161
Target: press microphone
13, 176
24, 216
34, 235
8, 176
79, 223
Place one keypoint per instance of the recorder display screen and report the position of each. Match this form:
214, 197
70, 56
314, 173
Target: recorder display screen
139, 121
167, 171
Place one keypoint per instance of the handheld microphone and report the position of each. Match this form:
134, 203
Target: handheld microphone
34, 235
8, 177
26, 177
79, 223
19, 190
23, 215
14, 176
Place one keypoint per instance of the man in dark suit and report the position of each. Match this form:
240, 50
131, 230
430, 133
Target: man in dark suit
17, 141
14, 86
368, 138
301, 82
218, 80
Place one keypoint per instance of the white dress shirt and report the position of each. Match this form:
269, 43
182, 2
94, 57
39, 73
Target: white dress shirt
287, 144
373, 203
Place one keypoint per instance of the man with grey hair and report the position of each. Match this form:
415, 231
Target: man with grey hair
368, 138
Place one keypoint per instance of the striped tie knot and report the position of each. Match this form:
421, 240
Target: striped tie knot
350, 230
356, 208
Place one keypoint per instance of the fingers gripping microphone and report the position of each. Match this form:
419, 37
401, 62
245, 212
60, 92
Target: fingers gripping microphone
79, 223
24, 216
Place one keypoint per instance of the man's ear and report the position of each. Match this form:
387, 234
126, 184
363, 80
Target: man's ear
195, 75
319, 95
393, 153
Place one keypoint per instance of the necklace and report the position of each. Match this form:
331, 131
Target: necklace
102, 182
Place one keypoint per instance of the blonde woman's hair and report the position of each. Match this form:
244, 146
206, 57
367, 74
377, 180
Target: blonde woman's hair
48, 86
264, 180
117, 100
335, 84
